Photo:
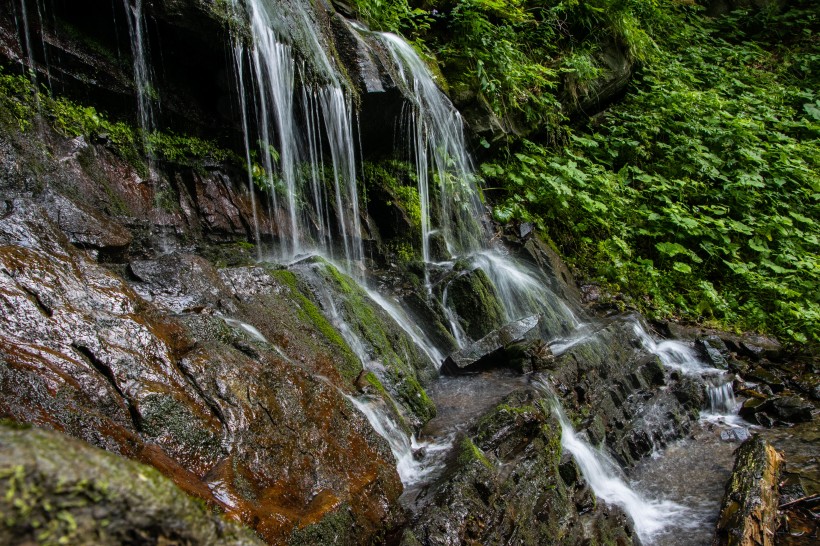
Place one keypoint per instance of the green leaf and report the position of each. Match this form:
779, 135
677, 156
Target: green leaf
682, 267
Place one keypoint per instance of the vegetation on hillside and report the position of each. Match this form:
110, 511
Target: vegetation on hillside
697, 195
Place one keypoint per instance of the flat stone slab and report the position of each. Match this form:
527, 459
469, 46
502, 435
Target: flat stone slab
496, 348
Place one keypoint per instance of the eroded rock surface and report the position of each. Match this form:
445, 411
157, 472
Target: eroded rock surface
258, 430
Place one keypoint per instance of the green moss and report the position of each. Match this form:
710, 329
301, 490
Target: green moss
46, 511
164, 415
393, 349
469, 452
335, 528
351, 366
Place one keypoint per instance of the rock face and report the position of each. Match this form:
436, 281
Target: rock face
57, 490
508, 482
749, 511
619, 382
230, 417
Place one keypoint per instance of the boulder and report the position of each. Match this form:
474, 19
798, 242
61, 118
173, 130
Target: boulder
713, 350
748, 514
474, 299
501, 347
57, 490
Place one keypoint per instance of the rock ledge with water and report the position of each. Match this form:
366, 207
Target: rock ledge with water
501, 347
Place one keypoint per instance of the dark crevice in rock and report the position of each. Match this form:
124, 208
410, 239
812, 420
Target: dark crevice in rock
212, 405
106, 372
44, 309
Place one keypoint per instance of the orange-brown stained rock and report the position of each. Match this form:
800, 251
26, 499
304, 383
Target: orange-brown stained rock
227, 418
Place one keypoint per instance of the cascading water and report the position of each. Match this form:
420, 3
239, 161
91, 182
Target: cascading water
437, 144
650, 517
722, 398
288, 130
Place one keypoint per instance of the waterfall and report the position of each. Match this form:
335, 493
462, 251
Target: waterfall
436, 138
299, 109
650, 517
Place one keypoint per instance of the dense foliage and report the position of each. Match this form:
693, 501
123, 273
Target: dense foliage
697, 194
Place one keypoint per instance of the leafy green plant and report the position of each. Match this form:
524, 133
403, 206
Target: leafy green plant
697, 195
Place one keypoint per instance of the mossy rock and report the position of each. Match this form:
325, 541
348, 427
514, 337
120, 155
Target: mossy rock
475, 300
388, 351
58, 490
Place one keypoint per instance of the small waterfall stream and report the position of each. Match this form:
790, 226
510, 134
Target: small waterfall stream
650, 517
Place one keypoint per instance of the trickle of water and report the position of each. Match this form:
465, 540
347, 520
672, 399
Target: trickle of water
410, 327
722, 398
415, 460
143, 78
650, 517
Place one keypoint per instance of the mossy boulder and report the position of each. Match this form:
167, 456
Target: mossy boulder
57, 490
474, 299
748, 514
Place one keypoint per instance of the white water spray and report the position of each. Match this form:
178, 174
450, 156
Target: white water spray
414, 459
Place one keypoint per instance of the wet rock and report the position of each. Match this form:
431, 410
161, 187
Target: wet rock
713, 350
557, 275
763, 375
735, 435
84, 227
503, 347
181, 282
791, 409
756, 347
611, 381
473, 297
57, 490
509, 482
748, 514
428, 311
388, 350
810, 384
253, 429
